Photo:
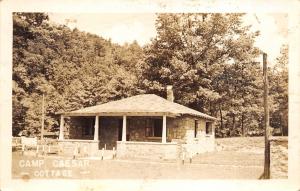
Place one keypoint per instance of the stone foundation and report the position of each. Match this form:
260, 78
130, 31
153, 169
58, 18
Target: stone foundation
199, 145
173, 150
279, 157
147, 150
84, 147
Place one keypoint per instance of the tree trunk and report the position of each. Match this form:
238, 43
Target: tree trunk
221, 117
233, 125
281, 125
243, 130
266, 119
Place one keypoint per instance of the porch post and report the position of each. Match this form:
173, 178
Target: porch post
164, 129
61, 128
124, 129
96, 130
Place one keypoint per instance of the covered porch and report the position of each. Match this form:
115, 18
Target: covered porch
93, 133
139, 126
145, 136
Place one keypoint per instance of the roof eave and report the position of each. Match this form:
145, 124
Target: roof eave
169, 114
85, 114
200, 116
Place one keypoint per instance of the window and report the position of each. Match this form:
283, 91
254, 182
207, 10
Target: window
154, 128
89, 127
208, 128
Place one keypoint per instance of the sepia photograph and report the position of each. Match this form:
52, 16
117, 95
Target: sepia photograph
154, 95
138, 95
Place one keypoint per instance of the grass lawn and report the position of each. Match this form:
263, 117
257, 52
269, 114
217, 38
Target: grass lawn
216, 165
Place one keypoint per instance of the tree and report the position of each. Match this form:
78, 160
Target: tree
279, 92
73, 69
27, 65
209, 59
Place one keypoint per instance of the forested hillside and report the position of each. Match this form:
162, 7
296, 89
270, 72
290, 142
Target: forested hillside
208, 58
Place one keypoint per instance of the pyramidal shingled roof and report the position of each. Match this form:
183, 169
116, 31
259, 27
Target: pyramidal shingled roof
145, 104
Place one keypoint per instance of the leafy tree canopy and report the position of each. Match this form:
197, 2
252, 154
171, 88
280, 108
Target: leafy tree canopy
208, 58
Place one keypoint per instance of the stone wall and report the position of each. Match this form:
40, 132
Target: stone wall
279, 157
147, 150
183, 128
71, 147
199, 145
175, 128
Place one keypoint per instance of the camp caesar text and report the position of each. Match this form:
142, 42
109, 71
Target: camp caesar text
56, 168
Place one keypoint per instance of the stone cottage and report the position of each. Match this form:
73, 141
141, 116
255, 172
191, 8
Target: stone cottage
144, 126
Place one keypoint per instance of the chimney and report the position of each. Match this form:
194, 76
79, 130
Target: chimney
170, 95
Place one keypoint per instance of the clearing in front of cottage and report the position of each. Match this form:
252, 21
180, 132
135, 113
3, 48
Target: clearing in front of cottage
241, 158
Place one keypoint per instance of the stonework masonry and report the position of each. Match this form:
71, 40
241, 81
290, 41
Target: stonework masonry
184, 134
183, 128
147, 150
73, 147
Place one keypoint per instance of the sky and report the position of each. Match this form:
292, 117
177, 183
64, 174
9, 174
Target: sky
120, 27
127, 27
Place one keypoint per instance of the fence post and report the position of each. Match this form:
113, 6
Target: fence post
102, 154
183, 157
75, 152
23, 149
37, 150
114, 153
191, 156
85, 153
60, 150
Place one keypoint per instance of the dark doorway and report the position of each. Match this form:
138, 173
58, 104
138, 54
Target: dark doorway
157, 128
120, 129
196, 128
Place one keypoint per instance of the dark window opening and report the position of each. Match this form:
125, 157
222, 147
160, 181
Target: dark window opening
89, 128
157, 128
196, 128
208, 128
154, 129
